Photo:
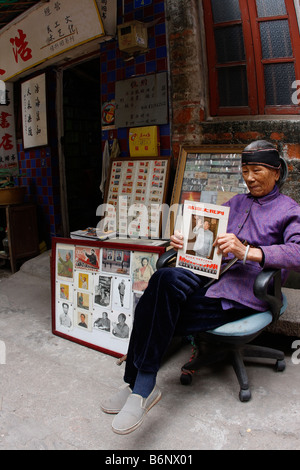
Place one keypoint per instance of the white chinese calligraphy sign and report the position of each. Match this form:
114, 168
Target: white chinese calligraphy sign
34, 112
8, 147
47, 31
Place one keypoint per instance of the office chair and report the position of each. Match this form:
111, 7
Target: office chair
231, 341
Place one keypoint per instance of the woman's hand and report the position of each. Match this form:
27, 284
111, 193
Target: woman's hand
177, 240
228, 243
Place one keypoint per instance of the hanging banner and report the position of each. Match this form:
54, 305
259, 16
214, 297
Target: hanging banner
8, 147
108, 13
49, 30
34, 112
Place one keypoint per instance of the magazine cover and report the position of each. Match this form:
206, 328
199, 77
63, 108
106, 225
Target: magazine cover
202, 223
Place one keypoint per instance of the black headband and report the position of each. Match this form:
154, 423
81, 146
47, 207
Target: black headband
266, 157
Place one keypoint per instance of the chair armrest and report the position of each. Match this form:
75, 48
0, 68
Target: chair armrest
166, 258
267, 287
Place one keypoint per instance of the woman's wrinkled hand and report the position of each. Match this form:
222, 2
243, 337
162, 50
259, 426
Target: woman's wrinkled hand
228, 243
176, 240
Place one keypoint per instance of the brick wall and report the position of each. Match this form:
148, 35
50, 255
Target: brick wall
191, 124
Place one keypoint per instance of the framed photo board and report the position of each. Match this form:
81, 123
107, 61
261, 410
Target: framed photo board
209, 174
95, 288
135, 189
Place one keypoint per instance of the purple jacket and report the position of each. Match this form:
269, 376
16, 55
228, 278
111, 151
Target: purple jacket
272, 223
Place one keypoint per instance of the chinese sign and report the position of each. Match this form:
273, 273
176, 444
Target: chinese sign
108, 13
8, 148
34, 112
50, 29
142, 101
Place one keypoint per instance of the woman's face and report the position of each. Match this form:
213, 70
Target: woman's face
259, 179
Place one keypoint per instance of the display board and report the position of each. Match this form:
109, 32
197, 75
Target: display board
135, 190
95, 288
208, 173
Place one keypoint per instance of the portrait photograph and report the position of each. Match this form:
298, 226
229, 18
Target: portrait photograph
202, 234
84, 280
121, 292
64, 291
83, 319
64, 262
102, 321
83, 300
121, 325
64, 316
143, 266
102, 290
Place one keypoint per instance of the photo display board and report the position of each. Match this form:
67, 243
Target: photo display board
95, 289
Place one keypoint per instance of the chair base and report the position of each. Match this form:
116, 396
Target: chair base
236, 356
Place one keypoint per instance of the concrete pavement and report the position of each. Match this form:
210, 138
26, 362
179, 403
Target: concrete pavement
51, 389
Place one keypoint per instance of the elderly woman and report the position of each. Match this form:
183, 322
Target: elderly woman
176, 300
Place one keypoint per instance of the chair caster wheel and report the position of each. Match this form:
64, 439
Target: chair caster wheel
280, 365
186, 378
244, 395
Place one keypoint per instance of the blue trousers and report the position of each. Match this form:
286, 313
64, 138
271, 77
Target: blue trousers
174, 303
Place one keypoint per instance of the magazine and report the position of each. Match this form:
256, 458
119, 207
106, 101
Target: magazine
92, 233
202, 223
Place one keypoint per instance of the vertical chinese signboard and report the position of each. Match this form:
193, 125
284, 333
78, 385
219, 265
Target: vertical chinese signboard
8, 148
48, 30
108, 13
34, 112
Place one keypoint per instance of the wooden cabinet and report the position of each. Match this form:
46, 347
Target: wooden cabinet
21, 223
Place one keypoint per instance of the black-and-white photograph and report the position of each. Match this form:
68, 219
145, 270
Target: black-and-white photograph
121, 326
65, 315
121, 292
101, 321
102, 290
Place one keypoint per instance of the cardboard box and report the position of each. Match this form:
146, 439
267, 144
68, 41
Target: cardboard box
133, 37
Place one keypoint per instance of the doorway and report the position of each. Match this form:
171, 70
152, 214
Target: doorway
82, 143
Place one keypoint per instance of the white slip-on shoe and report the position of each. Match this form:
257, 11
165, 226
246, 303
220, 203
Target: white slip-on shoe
134, 411
115, 403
